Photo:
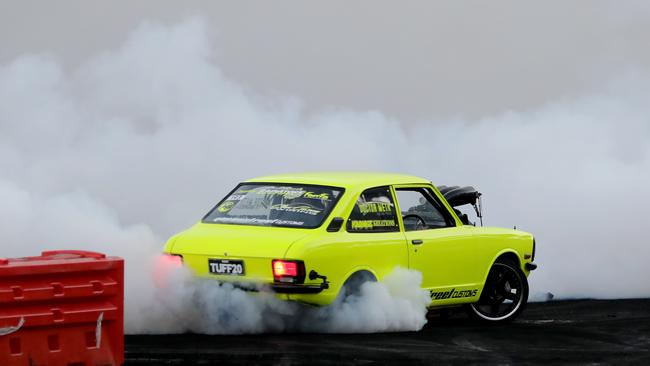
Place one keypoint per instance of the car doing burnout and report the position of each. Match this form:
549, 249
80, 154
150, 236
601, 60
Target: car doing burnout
316, 237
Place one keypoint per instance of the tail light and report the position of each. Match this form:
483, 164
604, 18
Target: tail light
288, 271
174, 260
165, 267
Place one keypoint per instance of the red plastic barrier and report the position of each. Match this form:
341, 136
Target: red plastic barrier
62, 308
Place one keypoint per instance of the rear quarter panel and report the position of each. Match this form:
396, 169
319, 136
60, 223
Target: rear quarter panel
339, 255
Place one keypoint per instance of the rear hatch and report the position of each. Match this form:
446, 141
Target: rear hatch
239, 253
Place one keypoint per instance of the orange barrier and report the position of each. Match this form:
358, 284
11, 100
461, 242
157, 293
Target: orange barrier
62, 308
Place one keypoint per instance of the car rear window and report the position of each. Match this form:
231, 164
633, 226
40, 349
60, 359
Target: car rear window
264, 204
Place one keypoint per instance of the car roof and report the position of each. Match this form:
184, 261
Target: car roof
342, 179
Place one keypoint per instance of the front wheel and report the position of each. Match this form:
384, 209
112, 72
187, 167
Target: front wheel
504, 295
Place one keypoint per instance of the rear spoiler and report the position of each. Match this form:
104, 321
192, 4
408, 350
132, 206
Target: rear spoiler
460, 196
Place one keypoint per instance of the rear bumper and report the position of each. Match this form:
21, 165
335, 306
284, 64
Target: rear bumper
290, 288
283, 288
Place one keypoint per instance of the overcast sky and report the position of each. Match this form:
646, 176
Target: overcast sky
412, 60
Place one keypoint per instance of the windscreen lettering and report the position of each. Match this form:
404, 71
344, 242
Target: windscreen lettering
317, 196
286, 193
297, 209
371, 224
236, 197
255, 221
375, 207
276, 205
226, 206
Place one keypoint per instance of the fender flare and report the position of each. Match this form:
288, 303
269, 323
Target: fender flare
494, 259
355, 271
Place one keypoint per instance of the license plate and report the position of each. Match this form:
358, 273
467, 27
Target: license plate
228, 267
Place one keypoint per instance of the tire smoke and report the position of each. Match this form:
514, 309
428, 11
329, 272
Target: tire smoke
138, 142
182, 303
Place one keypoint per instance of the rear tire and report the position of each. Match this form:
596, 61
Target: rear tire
504, 295
352, 286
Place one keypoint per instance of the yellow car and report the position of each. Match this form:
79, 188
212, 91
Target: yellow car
312, 237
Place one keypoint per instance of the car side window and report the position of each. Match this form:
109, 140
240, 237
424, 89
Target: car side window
420, 211
374, 212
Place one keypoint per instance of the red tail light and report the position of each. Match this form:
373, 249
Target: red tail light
175, 260
165, 266
288, 271
282, 268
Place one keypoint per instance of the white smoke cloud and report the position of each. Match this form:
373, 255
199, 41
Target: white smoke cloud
182, 303
138, 142
395, 304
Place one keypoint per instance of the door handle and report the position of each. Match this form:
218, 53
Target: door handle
416, 241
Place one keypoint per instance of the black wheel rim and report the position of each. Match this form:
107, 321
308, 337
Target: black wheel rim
502, 295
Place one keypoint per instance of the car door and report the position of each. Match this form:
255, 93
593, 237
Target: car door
374, 237
439, 245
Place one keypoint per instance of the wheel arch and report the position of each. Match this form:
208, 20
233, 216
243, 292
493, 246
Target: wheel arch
362, 272
505, 254
509, 255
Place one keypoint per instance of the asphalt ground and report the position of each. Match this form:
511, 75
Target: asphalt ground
612, 332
